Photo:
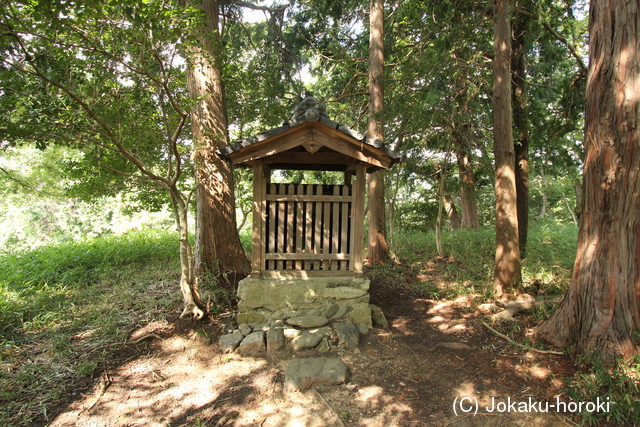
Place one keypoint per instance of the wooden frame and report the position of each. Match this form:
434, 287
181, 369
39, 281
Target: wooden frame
303, 230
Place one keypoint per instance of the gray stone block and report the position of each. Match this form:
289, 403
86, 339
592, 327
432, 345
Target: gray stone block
252, 345
229, 342
324, 346
302, 374
308, 321
310, 338
331, 310
275, 339
348, 335
245, 329
377, 316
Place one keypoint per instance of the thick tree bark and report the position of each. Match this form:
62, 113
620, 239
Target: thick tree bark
217, 246
378, 250
521, 128
507, 263
601, 310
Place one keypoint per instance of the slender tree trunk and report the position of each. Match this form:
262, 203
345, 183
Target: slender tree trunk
192, 303
507, 265
440, 206
378, 248
544, 182
601, 310
577, 188
461, 142
218, 247
521, 127
468, 199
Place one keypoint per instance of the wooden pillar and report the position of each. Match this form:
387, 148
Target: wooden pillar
357, 224
348, 175
259, 217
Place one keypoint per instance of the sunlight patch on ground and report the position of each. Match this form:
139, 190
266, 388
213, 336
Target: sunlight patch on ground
369, 394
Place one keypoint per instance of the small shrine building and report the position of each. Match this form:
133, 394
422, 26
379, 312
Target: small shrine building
308, 239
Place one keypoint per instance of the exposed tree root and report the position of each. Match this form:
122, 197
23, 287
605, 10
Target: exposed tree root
105, 382
522, 346
193, 309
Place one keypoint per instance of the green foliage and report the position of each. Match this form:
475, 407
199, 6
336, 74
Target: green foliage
615, 384
106, 80
470, 257
38, 286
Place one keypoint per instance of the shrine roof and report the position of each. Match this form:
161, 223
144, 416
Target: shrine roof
311, 128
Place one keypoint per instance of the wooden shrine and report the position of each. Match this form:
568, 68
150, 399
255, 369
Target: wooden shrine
305, 230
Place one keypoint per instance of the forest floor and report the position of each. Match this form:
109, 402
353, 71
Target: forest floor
431, 367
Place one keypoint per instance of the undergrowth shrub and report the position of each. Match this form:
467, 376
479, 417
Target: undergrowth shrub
617, 384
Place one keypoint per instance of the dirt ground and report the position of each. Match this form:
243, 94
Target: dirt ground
432, 367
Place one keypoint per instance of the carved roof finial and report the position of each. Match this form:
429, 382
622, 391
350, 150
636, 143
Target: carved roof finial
309, 109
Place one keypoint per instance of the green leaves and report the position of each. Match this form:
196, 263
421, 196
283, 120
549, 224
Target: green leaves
105, 79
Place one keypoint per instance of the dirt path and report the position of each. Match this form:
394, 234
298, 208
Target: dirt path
402, 376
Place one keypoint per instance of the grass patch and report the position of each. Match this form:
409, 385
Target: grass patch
63, 307
467, 267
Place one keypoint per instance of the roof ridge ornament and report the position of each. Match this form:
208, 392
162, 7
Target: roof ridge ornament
309, 109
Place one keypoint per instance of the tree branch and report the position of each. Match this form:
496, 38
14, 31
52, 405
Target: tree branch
557, 36
262, 8
92, 114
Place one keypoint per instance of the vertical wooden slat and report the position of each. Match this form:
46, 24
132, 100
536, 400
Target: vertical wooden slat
266, 181
335, 227
357, 221
290, 237
281, 221
271, 244
344, 229
326, 232
308, 240
317, 249
299, 227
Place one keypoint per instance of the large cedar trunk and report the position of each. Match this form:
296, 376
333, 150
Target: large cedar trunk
521, 127
601, 310
378, 250
507, 262
217, 246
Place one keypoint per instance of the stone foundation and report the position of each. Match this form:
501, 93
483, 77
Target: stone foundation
268, 299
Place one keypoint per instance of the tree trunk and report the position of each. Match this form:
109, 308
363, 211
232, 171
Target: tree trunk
507, 263
440, 206
462, 143
468, 199
544, 182
452, 212
521, 127
192, 303
378, 248
577, 188
218, 247
601, 310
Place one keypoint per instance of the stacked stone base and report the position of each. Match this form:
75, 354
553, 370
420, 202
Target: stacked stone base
297, 334
338, 299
